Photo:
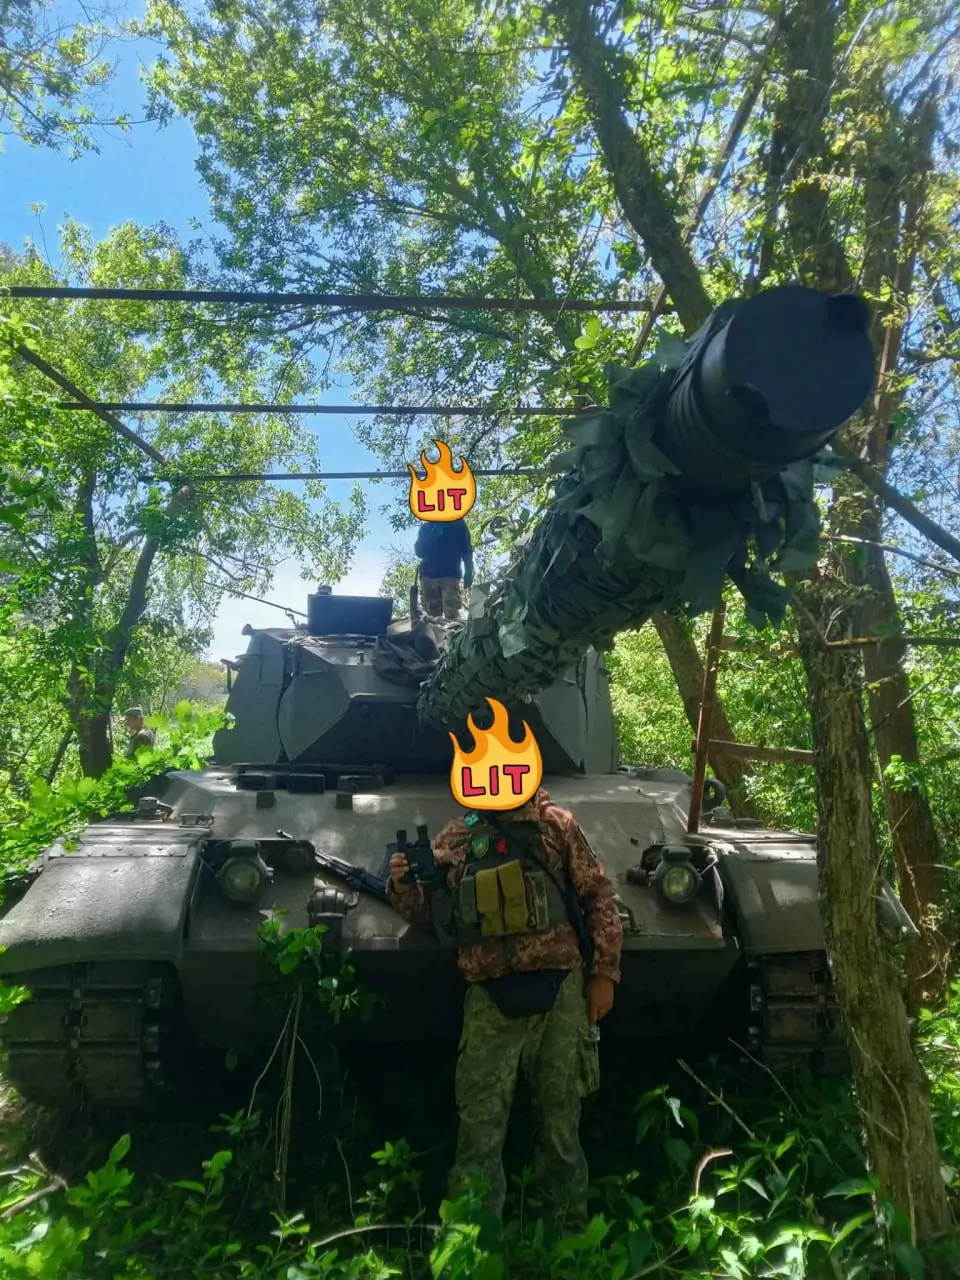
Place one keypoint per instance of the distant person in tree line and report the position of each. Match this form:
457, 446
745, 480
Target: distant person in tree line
140, 735
442, 549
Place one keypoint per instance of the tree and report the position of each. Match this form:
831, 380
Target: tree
894, 165
888, 1075
114, 564
52, 73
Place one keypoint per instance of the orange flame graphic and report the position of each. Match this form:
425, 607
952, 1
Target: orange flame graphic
499, 773
446, 493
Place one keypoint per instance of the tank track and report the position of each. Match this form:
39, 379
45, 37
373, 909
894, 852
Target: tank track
97, 1035
793, 1012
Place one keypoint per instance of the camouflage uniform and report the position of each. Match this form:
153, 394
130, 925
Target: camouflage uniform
554, 1050
441, 597
139, 738
142, 738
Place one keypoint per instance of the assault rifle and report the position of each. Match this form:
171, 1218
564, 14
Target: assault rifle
354, 877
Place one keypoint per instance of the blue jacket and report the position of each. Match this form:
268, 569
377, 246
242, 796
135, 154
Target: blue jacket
442, 548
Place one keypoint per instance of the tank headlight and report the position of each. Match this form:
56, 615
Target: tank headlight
242, 879
678, 882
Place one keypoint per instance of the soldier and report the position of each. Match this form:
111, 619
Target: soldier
441, 549
140, 735
529, 1004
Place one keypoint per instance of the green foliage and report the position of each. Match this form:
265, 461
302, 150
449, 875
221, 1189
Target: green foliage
772, 1184
302, 963
763, 689
52, 74
115, 581
199, 681
33, 822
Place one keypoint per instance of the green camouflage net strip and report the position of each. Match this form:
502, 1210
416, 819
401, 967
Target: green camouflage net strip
620, 540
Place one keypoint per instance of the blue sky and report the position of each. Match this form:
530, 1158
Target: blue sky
148, 176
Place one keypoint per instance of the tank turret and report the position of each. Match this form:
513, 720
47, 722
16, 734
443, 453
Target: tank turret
340, 695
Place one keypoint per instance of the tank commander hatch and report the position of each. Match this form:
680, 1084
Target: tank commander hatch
529, 1005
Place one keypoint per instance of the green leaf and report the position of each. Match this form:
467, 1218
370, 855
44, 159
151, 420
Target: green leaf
849, 1227
678, 1152
910, 1259
119, 1149
853, 1187
757, 1187
596, 1232
590, 336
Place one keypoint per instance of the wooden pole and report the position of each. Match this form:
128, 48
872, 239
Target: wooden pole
707, 701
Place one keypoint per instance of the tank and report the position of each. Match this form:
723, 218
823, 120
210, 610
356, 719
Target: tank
139, 941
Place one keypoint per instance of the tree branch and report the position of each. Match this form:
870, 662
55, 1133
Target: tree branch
122, 633
903, 506
634, 172
714, 178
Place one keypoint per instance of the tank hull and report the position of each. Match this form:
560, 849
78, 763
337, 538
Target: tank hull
131, 946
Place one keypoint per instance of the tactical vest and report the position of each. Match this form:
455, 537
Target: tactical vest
507, 887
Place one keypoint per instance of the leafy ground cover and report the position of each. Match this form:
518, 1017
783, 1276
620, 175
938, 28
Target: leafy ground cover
721, 1172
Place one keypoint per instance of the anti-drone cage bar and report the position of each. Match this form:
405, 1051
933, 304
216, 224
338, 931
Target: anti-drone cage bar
342, 301
232, 477
389, 410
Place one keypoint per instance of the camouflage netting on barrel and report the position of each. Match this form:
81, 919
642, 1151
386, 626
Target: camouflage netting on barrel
701, 467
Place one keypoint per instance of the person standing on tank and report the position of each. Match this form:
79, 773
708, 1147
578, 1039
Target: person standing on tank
445, 553
532, 1003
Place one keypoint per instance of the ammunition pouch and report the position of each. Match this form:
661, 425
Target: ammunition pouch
500, 894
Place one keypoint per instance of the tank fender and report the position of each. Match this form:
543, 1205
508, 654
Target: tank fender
121, 894
771, 890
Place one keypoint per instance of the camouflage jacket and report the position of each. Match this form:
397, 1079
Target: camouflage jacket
567, 851
142, 738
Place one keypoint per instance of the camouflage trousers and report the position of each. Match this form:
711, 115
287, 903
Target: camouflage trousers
560, 1065
441, 597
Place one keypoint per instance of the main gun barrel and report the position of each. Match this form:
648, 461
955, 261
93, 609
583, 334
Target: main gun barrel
766, 382
700, 467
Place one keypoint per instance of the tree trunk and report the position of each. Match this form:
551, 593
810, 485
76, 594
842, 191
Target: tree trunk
92, 686
893, 1091
94, 742
634, 173
913, 834
687, 667
59, 754
894, 172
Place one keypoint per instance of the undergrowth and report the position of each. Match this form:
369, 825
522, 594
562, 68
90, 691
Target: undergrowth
706, 1171
29, 823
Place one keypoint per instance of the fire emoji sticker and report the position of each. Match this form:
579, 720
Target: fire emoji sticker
447, 493
499, 773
